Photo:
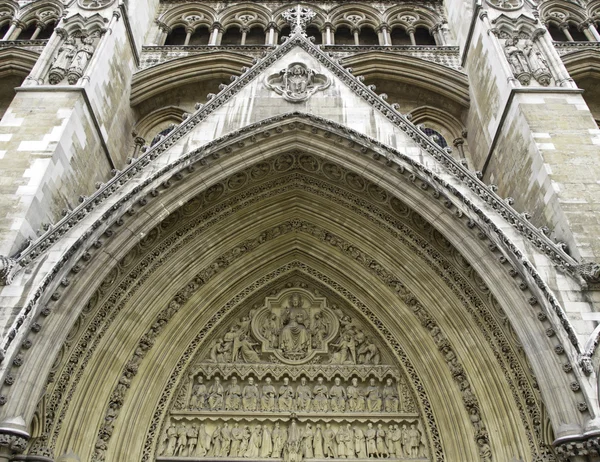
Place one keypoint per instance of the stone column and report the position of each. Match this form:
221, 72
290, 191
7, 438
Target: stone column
244, 34
384, 37
542, 38
15, 29
355, 31
188, 35
459, 145
101, 47
138, 143
565, 29
438, 34
411, 34
214, 36
593, 30
164, 31
270, 39
36, 76
38, 29
328, 35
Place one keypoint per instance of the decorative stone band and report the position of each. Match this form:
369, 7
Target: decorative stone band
584, 447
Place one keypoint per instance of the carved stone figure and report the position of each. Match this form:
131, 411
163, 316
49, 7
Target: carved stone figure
250, 396
368, 353
254, 443
297, 82
62, 61
204, 440
171, 440
397, 441
267, 400
271, 330
285, 399
356, 400
215, 396
236, 342
389, 442
373, 397
414, 440
537, 64
293, 447
237, 434
278, 441
371, 437
320, 328
226, 440
295, 338
245, 441
81, 59
516, 59
318, 443
405, 441
192, 438
380, 435
485, 451
346, 350
199, 395
233, 396
266, 445
337, 396
215, 443
329, 443
319, 402
307, 442
360, 444
303, 396
391, 402
181, 445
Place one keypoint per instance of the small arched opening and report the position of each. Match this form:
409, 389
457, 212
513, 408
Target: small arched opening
400, 36
232, 36
313, 31
423, 37
201, 36
368, 36
256, 36
285, 32
4, 29
28, 32
176, 36
344, 36
47, 31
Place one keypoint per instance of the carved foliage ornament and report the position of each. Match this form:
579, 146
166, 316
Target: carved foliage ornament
297, 83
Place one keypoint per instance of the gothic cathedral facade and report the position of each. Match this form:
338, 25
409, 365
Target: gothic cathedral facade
274, 231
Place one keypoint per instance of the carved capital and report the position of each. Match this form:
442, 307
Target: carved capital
578, 447
13, 435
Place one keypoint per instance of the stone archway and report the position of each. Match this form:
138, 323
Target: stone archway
332, 221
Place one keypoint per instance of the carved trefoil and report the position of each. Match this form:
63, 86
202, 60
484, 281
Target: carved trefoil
294, 378
297, 82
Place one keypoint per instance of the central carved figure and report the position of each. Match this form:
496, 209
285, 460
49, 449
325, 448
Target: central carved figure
295, 337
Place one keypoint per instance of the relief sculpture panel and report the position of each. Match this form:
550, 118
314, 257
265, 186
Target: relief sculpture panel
296, 378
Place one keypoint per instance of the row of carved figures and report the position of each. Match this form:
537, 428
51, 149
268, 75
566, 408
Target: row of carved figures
71, 60
305, 398
311, 442
526, 61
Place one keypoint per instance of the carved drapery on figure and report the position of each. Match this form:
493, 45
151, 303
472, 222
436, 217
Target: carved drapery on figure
72, 59
525, 59
296, 378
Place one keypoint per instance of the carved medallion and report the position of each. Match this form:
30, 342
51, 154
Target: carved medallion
505, 5
297, 82
94, 4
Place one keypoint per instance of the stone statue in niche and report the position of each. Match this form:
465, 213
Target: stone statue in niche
538, 64
517, 61
267, 399
233, 396
62, 61
285, 399
199, 395
297, 82
81, 60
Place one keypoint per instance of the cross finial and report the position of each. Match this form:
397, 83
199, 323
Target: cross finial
298, 17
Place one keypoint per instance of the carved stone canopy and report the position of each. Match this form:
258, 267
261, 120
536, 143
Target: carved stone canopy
297, 82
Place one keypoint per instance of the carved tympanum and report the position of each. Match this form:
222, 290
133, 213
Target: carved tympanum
296, 378
297, 82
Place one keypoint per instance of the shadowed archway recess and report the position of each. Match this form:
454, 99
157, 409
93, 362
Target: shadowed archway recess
323, 215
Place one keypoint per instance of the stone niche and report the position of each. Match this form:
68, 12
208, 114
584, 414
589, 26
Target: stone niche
296, 378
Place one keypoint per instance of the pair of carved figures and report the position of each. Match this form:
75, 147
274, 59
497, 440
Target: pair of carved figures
71, 59
293, 443
318, 398
526, 62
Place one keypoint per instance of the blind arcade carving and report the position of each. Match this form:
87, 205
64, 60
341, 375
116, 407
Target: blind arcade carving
294, 379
